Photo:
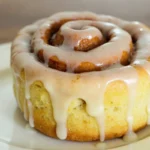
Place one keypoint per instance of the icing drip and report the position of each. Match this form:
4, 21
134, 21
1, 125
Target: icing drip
28, 103
16, 86
59, 108
25, 110
25, 101
101, 122
130, 135
31, 121
60, 85
17, 93
98, 112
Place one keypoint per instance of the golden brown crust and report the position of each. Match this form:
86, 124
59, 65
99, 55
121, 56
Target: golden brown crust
55, 63
40, 55
125, 58
88, 44
81, 126
58, 40
86, 67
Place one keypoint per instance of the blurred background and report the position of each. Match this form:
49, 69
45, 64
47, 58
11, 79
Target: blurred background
14, 14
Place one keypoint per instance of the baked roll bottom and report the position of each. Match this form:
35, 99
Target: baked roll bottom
80, 125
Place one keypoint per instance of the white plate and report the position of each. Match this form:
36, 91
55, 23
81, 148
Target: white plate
15, 133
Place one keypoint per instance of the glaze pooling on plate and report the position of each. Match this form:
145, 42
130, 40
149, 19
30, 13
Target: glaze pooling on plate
121, 33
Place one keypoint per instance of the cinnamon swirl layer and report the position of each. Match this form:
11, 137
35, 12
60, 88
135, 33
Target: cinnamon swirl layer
82, 76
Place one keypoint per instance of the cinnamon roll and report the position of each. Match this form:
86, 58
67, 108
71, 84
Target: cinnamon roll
82, 76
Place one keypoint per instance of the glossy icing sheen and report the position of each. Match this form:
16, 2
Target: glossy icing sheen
96, 25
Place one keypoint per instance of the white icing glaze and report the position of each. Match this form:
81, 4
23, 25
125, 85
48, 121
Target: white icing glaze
119, 42
26, 98
30, 109
132, 96
75, 31
25, 110
28, 102
97, 81
17, 93
16, 86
